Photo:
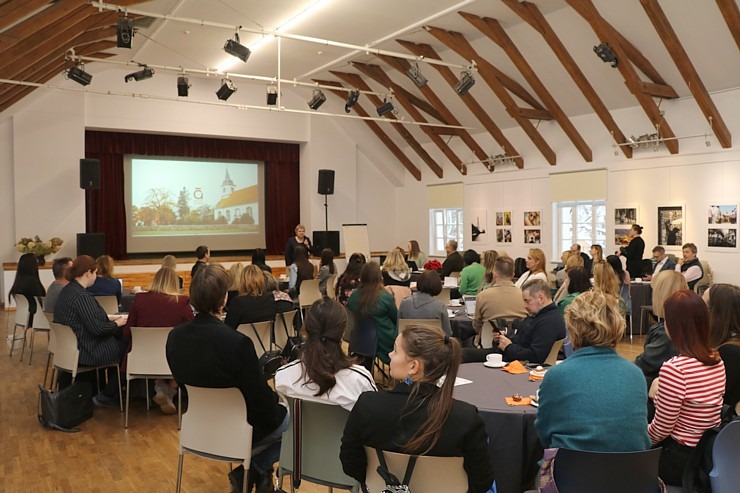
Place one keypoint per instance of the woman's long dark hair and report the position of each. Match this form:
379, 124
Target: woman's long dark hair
26, 276
354, 267
300, 259
371, 285
327, 258
440, 356
724, 314
322, 354
687, 325
616, 264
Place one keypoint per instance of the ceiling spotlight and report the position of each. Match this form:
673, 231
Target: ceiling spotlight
606, 54
124, 33
317, 100
234, 48
465, 83
385, 108
145, 73
414, 73
352, 98
182, 86
272, 94
226, 90
78, 74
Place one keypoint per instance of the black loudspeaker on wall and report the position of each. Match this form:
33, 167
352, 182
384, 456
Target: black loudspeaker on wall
92, 244
89, 174
326, 181
326, 239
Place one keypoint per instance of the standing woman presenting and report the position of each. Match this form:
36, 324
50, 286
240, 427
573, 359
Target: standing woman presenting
633, 252
299, 239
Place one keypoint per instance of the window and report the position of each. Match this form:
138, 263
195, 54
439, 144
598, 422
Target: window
582, 222
446, 224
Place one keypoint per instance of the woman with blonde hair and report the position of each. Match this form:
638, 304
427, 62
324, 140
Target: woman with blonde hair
577, 398
171, 262
536, 263
416, 255
235, 274
105, 284
160, 306
418, 417
658, 347
395, 270
489, 258
571, 262
597, 255
254, 303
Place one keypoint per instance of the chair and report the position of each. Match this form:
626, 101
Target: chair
706, 281
52, 348
147, 359
40, 324
430, 473
444, 296
109, 304
431, 322
725, 475
22, 314
486, 334
552, 358
260, 333
330, 286
283, 328
399, 293
578, 471
215, 427
67, 355
309, 293
321, 427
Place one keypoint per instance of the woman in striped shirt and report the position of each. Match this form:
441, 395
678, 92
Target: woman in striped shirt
688, 398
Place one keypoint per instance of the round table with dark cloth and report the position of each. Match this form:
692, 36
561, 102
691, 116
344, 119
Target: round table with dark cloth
461, 324
513, 444
641, 295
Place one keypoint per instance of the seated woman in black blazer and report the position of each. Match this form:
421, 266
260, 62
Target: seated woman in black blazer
417, 417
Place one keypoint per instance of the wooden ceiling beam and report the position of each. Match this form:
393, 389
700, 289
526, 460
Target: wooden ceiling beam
23, 91
658, 90
496, 33
458, 43
12, 12
534, 17
636, 57
423, 105
378, 75
602, 29
375, 127
48, 18
532, 114
427, 51
731, 13
403, 65
688, 71
356, 81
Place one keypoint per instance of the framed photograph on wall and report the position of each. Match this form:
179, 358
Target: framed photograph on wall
625, 215
532, 218
503, 235
722, 226
532, 236
503, 218
621, 236
671, 226
479, 225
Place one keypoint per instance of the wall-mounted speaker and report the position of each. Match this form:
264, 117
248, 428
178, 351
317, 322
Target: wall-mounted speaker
326, 181
89, 174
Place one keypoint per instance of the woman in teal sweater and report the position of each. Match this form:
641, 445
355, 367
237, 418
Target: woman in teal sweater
371, 299
595, 400
472, 275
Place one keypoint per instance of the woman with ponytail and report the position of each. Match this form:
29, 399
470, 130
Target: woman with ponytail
418, 417
324, 373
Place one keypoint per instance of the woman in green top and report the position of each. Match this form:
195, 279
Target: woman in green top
472, 275
578, 282
370, 299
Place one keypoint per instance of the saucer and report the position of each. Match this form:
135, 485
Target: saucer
494, 365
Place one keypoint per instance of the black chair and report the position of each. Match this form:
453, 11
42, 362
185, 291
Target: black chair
363, 340
607, 472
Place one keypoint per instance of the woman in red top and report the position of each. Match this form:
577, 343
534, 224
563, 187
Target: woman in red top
691, 385
160, 306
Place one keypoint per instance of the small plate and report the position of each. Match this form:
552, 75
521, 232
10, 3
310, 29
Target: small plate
494, 365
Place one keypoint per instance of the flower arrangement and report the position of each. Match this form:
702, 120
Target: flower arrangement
39, 247
433, 265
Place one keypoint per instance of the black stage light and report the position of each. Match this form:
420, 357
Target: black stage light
604, 51
124, 33
352, 98
317, 100
414, 73
385, 108
78, 74
143, 74
234, 48
182, 86
465, 83
226, 90
272, 94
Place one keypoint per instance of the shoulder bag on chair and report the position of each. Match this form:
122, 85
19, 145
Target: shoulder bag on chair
63, 410
392, 484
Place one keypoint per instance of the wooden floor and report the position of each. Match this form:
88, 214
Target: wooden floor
104, 457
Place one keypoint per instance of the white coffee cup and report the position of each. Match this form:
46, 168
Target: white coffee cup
494, 358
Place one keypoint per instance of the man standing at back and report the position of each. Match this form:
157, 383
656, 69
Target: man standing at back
539, 331
454, 261
203, 254
575, 249
502, 300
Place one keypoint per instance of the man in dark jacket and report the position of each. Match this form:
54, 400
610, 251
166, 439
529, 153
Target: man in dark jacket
454, 261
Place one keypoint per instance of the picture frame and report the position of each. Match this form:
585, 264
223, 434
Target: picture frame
626, 215
503, 218
532, 237
671, 226
722, 226
621, 236
532, 219
503, 235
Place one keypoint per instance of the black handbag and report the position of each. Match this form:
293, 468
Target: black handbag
63, 410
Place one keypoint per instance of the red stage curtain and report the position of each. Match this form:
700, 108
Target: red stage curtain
282, 189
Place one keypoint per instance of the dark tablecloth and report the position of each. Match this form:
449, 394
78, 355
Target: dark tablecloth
642, 295
512, 439
461, 324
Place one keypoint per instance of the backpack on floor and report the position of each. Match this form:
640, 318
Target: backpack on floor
64, 409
